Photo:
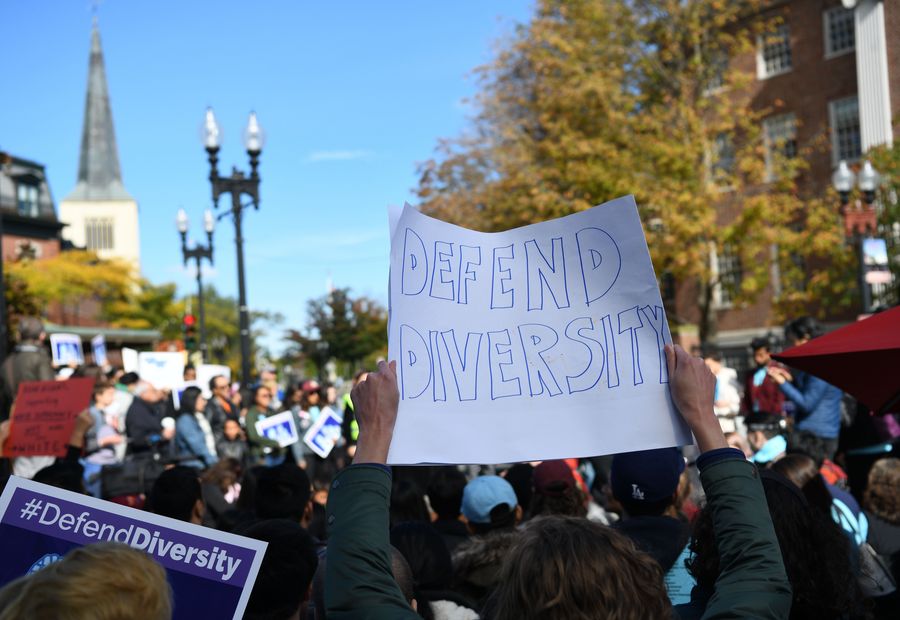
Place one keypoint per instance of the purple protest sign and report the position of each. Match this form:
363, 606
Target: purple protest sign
211, 572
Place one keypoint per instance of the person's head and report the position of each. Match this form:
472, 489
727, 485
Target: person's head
292, 394
176, 494
102, 581
114, 374
30, 329
129, 380
799, 331
762, 355
646, 482
811, 445
224, 473
882, 497
282, 587
713, 360
521, 477
89, 371
262, 397
555, 491
62, 474
489, 504
218, 387
568, 567
426, 552
268, 377
445, 492
147, 392
283, 492
816, 554
192, 400
404, 578
803, 473
104, 394
190, 373
231, 428
763, 426
407, 502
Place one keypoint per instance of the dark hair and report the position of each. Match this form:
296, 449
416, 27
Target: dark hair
256, 390
100, 387
804, 327
175, 493
223, 473
317, 525
445, 491
291, 391
68, 475
212, 382
282, 492
129, 378
809, 445
90, 371
521, 477
882, 497
407, 502
426, 552
503, 518
568, 567
759, 343
403, 575
189, 367
569, 503
286, 571
816, 553
189, 399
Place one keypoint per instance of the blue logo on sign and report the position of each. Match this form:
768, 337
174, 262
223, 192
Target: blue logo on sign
45, 561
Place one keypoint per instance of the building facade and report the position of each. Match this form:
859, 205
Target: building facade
30, 228
99, 213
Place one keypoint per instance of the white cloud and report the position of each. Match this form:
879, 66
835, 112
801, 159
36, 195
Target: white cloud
339, 155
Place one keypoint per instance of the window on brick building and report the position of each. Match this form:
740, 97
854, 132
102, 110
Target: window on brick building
840, 35
773, 55
98, 233
846, 142
721, 159
27, 199
727, 274
716, 70
780, 141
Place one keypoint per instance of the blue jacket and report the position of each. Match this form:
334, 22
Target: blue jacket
190, 442
818, 405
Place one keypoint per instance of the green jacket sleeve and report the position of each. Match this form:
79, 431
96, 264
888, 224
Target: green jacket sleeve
752, 582
358, 578
253, 437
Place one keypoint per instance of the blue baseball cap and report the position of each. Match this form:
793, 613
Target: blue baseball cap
646, 476
485, 493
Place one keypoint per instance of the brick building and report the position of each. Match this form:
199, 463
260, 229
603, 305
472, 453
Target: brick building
830, 75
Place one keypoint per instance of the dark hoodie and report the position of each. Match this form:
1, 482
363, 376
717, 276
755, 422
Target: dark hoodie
662, 537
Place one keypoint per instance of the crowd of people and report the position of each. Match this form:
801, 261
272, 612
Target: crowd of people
760, 519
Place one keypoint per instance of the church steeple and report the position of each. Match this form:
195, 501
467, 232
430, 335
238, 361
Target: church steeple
99, 175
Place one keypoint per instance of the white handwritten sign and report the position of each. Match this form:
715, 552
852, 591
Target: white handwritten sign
537, 343
162, 369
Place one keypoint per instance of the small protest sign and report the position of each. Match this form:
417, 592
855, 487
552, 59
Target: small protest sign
325, 432
66, 349
537, 343
130, 361
279, 427
205, 372
44, 416
98, 346
211, 572
163, 369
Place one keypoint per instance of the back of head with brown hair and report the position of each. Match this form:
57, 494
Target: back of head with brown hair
103, 581
882, 497
569, 568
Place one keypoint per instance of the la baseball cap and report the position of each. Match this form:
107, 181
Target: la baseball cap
485, 493
646, 476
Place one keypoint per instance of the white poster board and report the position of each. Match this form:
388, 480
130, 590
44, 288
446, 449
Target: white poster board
130, 361
163, 369
541, 342
279, 427
66, 349
205, 372
98, 346
325, 432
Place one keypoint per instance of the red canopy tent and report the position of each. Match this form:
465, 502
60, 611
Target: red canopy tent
863, 359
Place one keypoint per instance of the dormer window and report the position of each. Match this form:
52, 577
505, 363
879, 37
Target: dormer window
27, 199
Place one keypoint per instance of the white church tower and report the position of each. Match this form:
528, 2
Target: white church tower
100, 214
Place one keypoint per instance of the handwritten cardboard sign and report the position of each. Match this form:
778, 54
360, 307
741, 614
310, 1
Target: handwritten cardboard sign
541, 342
44, 416
162, 369
66, 349
211, 572
325, 432
279, 427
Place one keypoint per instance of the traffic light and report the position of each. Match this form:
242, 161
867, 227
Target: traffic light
190, 334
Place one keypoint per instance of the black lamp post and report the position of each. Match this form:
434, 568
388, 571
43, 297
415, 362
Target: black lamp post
859, 220
236, 185
198, 253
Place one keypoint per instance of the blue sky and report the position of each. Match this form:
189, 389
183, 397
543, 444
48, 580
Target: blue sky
351, 96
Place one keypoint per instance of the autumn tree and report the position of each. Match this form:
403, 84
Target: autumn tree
351, 330
594, 99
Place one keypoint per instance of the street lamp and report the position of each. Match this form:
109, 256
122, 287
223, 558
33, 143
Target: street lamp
198, 253
236, 185
860, 220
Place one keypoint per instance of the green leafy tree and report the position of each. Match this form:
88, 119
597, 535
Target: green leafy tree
349, 330
594, 99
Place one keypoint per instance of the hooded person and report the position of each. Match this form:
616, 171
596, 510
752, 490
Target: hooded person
492, 513
646, 484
